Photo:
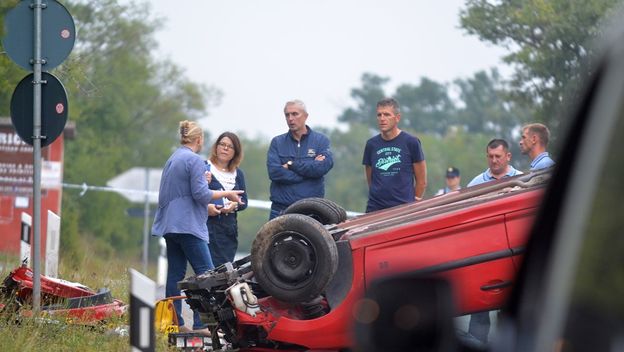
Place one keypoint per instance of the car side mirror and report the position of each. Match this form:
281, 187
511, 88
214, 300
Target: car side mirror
406, 314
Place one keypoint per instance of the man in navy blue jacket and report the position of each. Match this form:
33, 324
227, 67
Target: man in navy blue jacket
297, 160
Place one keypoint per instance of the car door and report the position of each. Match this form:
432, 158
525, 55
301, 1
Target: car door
474, 256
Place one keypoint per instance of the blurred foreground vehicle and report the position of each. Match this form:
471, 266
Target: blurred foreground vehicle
310, 268
568, 296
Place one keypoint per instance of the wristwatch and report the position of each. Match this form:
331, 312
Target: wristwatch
289, 163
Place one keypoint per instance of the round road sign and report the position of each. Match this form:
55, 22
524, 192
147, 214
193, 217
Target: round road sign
53, 108
58, 34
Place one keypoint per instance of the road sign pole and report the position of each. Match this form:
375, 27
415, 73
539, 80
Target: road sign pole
37, 7
59, 33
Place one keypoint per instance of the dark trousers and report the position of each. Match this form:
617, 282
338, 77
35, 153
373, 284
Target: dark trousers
479, 326
223, 233
276, 210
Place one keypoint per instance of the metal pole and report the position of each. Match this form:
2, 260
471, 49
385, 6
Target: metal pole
146, 222
37, 7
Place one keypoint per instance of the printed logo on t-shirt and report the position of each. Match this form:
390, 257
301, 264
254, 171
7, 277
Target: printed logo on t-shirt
387, 157
311, 152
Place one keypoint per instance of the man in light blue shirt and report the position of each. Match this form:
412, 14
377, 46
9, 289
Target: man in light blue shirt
498, 157
533, 143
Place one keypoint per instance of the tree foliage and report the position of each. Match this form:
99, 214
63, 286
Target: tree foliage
548, 41
426, 107
371, 91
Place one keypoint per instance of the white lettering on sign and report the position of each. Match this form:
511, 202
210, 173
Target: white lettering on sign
10, 139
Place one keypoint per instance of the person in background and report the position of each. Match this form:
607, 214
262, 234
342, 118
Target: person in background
181, 215
498, 158
453, 180
533, 142
226, 155
297, 161
394, 162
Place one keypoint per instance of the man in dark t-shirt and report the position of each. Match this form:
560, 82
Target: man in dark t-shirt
394, 162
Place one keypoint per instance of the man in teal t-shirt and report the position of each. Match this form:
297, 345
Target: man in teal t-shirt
394, 162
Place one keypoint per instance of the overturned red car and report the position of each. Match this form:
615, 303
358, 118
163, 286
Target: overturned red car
310, 268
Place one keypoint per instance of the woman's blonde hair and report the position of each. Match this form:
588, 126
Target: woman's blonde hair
238, 150
190, 131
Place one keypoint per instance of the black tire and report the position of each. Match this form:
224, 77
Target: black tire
293, 258
320, 209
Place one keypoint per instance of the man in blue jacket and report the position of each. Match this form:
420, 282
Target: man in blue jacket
297, 160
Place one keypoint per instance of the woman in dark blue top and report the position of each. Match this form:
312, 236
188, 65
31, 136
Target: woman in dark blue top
225, 157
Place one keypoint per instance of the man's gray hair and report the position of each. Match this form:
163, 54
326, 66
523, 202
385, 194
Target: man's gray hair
298, 103
391, 103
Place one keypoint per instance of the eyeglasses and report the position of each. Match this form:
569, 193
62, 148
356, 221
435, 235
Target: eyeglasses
225, 146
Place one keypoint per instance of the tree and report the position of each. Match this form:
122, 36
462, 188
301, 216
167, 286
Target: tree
548, 40
489, 108
366, 99
426, 107
345, 184
257, 184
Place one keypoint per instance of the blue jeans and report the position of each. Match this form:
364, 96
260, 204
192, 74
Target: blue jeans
181, 248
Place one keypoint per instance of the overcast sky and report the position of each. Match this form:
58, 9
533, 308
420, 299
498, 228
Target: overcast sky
261, 53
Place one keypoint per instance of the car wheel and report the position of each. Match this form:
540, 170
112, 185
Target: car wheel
322, 210
293, 258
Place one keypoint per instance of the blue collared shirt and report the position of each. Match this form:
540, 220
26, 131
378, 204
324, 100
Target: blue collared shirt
542, 161
183, 197
486, 176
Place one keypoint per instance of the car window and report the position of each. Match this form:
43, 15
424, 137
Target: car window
596, 310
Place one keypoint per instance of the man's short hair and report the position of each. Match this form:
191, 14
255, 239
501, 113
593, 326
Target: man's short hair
540, 130
497, 142
298, 103
389, 102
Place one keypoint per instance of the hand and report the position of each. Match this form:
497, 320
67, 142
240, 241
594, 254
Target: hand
320, 157
208, 176
235, 196
214, 210
230, 208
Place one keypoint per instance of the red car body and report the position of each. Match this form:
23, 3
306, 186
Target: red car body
474, 237
61, 299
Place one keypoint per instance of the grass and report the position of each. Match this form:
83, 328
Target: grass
35, 334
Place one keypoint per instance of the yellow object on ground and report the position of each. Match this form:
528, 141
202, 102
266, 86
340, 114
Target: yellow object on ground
165, 318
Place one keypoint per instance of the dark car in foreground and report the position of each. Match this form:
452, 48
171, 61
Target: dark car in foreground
304, 283
568, 295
